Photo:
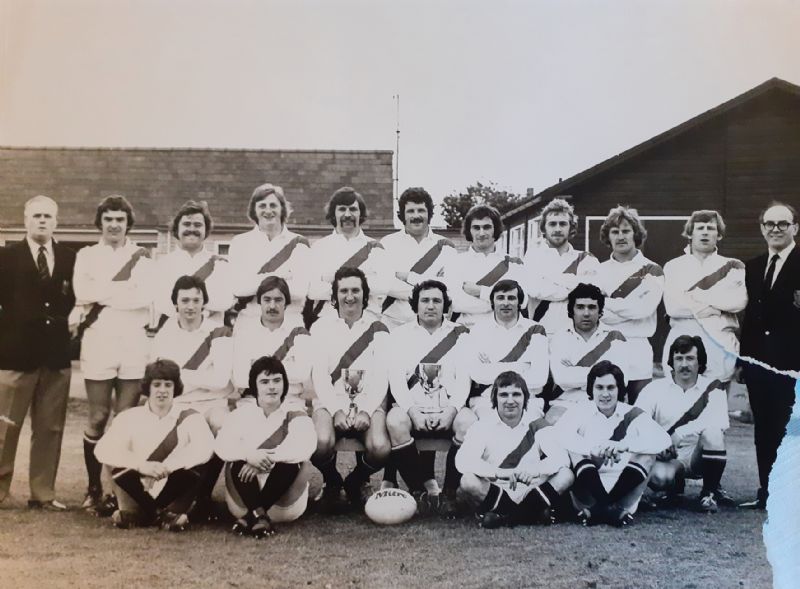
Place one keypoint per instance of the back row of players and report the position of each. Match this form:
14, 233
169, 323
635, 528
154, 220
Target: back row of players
377, 313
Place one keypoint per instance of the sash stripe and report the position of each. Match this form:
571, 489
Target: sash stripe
633, 281
204, 349
275, 262
438, 351
496, 273
165, 448
357, 348
621, 430
573, 267
708, 281
523, 343
525, 444
591, 357
284, 348
204, 271
697, 408
422, 265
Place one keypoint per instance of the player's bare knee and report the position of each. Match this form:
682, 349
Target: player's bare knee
562, 480
472, 489
662, 476
462, 422
398, 423
712, 439
644, 460
98, 418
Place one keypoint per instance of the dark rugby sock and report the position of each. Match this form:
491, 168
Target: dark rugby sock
497, 501
588, 477
330, 475
407, 460
714, 462
452, 478
93, 466
633, 475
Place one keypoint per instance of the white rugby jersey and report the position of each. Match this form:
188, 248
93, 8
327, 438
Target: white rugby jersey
121, 280
290, 342
253, 257
360, 347
550, 277
411, 344
521, 348
213, 269
204, 355
581, 355
633, 291
422, 260
292, 433
332, 251
483, 269
136, 432
667, 403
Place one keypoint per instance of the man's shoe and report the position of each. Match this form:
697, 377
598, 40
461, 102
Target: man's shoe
262, 528
492, 521
388, 485
106, 506
357, 493
124, 520
53, 505
724, 498
708, 503
754, 504
448, 506
618, 516
92, 498
330, 501
173, 522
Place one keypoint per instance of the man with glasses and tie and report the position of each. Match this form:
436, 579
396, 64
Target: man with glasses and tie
769, 335
35, 300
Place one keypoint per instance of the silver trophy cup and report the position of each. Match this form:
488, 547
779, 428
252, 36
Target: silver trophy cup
429, 376
353, 385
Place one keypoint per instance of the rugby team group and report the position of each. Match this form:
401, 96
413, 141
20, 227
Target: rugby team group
536, 374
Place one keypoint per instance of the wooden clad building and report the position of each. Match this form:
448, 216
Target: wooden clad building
734, 158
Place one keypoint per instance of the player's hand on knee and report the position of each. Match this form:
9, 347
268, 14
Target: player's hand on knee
153, 470
361, 422
247, 473
418, 419
340, 421
526, 477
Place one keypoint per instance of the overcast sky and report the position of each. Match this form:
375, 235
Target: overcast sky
519, 93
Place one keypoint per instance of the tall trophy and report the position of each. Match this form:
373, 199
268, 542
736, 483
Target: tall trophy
353, 385
429, 376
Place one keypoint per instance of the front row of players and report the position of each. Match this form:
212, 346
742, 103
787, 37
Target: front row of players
514, 466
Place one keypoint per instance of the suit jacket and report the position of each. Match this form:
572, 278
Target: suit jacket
771, 329
33, 312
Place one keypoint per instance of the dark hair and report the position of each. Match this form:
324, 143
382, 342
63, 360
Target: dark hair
684, 344
480, 212
271, 282
425, 285
559, 206
704, 216
187, 282
416, 195
507, 379
777, 203
262, 192
161, 369
585, 291
192, 207
348, 272
603, 368
115, 202
346, 195
270, 365
615, 217
506, 285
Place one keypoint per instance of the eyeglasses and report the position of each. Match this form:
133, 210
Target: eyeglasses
780, 225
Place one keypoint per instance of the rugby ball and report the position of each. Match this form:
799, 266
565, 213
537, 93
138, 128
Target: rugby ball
390, 506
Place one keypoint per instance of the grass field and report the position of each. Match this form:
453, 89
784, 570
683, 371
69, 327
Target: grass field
679, 549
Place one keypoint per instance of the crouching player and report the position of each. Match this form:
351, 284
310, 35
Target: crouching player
694, 411
612, 447
155, 452
513, 469
429, 383
266, 443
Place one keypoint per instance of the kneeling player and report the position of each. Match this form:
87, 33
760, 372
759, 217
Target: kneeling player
350, 379
694, 411
429, 383
154, 451
266, 444
514, 470
612, 447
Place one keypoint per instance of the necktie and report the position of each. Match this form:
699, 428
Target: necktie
41, 263
771, 271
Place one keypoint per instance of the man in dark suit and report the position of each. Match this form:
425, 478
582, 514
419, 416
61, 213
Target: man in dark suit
770, 334
35, 301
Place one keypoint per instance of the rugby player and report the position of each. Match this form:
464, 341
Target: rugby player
513, 470
612, 448
703, 292
154, 451
693, 409
633, 286
350, 380
266, 443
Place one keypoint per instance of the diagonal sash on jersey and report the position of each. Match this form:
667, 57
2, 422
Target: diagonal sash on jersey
438, 351
633, 281
621, 430
287, 344
204, 349
697, 408
122, 275
165, 448
519, 348
525, 444
717, 275
591, 357
500, 270
357, 348
204, 271
544, 305
275, 262
421, 265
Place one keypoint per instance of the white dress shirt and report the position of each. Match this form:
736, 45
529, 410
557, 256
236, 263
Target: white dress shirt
177, 263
